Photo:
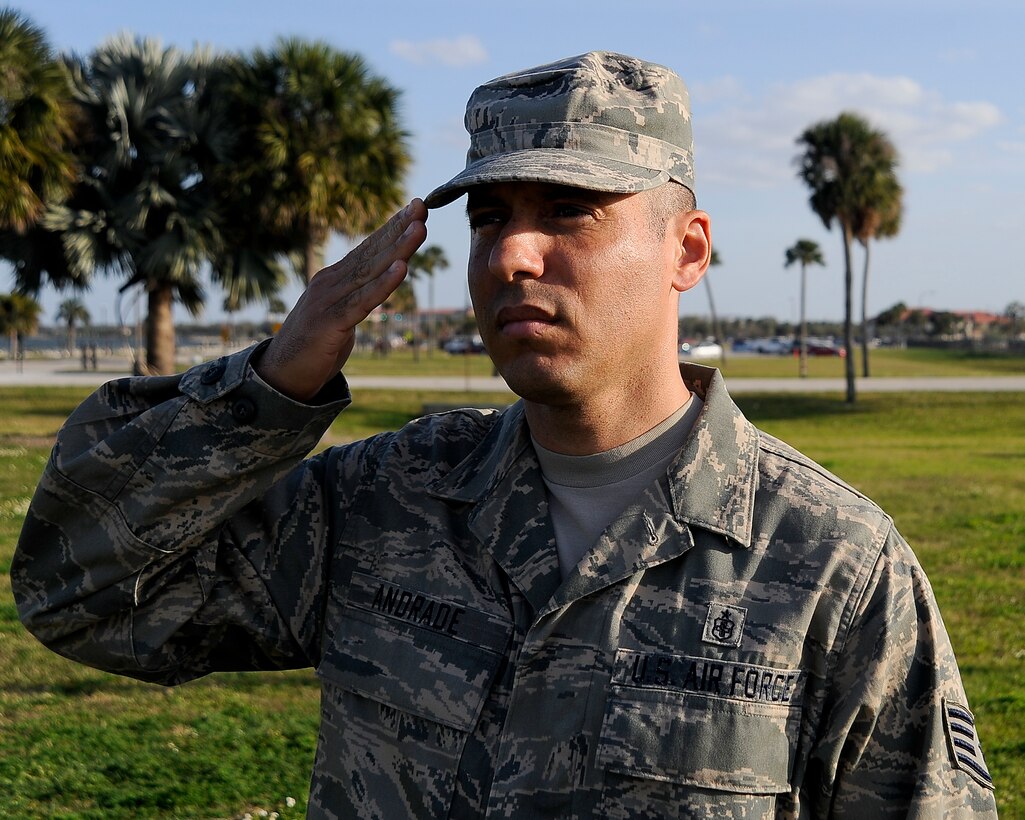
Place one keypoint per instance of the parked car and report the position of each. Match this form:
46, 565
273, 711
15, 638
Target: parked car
822, 347
463, 345
708, 349
778, 346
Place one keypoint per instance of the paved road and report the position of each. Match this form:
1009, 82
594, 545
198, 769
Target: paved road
66, 372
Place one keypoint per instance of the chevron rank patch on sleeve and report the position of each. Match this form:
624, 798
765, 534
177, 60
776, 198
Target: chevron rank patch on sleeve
964, 742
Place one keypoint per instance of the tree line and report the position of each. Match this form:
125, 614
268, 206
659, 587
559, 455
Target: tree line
146, 163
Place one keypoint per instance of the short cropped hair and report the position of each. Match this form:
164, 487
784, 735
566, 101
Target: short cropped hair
668, 200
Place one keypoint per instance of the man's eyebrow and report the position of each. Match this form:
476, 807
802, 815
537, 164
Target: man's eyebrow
559, 190
478, 199
484, 199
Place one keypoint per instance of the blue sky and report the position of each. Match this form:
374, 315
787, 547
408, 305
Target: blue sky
943, 79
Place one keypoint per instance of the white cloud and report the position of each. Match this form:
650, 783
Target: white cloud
458, 51
751, 141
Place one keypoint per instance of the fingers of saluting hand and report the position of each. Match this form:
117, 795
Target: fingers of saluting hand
352, 287
318, 334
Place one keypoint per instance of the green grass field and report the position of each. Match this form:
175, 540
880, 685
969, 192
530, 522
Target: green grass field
885, 363
76, 743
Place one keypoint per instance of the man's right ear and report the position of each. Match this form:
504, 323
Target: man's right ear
693, 232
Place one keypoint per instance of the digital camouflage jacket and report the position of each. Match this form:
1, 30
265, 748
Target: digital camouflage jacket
751, 639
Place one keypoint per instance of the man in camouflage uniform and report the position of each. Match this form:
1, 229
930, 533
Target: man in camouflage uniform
616, 598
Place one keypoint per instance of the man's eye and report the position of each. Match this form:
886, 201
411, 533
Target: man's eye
567, 210
481, 219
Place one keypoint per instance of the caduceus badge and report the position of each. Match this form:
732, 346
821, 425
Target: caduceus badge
724, 626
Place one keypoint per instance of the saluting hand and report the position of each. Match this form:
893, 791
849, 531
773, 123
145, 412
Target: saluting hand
317, 336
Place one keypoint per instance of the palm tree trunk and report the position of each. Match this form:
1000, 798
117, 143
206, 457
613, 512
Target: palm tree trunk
416, 333
312, 259
715, 319
848, 319
864, 315
432, 328
802, 367
160, 330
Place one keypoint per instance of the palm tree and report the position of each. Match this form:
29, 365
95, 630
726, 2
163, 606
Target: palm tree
401, 304
879, 220
330, 147
841, 163
806, 252
276, 305
252, 254
19, 317
72, 312
716, 329
398, 307
36, 121
426, 262
143, 208
37, 164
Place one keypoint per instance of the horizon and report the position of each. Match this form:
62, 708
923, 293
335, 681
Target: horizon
190, 322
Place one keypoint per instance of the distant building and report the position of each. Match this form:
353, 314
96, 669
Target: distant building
968, 325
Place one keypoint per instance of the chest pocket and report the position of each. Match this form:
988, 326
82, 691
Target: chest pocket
690, 733
404, 682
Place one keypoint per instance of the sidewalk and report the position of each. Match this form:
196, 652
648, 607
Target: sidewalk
68, 373
61, 372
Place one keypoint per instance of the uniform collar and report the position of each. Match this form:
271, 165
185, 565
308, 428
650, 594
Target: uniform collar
712, 482
501, 478
476, 476
714, 479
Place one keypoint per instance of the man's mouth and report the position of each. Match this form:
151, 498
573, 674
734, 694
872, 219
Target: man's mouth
523, 321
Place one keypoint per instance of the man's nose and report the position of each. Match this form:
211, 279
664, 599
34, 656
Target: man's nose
518, 253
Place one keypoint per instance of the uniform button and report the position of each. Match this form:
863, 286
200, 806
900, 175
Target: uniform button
212, 373
243, 410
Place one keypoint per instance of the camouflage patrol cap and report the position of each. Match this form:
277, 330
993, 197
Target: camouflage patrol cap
601, 121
